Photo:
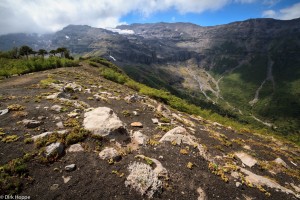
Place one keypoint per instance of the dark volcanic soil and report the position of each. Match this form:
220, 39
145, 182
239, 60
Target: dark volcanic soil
95, 178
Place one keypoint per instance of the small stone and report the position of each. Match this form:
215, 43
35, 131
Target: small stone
31, 123
73, 114
139, 138
136, 124
60, 125
70, 168
41, 117
66, 178
54, 149
75, 148
238, 184
108, 153
281, 162
57, 118
3, 112
54, 187
56, 169
135, 113
154, 121
56, 108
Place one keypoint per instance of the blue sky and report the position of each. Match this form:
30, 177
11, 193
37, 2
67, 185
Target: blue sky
43, 16
229, 13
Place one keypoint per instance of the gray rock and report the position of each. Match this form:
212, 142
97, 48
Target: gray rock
178, 135
103, 121
139, 138
155, 121
47, 134
246, 159
70, 168
54, 149
60, 125
66, 178
72, 87
56, 108
143, 179
31, 123
3, 112
281, 162
54, 187
133, 98
238, 184
108, 153
75, 148
202, 194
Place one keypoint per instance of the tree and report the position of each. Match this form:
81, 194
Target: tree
62, 51
52, 52
25, 51
42, 52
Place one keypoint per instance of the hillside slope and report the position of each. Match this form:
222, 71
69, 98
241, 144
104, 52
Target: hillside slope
165, 154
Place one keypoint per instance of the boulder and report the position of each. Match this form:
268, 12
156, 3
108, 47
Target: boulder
143, 179
54, 149
103, 121
31, 123
178, 135
108, 153
75, 148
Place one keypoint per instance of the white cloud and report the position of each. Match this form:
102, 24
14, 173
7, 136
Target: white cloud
52, 15
291, 12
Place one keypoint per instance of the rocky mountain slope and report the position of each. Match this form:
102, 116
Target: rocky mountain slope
69, 133
248, 70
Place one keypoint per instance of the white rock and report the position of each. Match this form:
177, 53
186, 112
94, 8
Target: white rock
60, 125
281, 162
246, 159
202, 194
66, 178
75, 148
135, 113
31, 123
238, 184
143, 179
47, 134
56, 108
53, 96
154, 121
71, 167
108, 153
139, 138
258, 180
3, 112
72, 86
178, 135
55, 149
102, 121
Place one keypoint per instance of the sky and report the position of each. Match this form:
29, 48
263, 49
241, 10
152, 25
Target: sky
44, 16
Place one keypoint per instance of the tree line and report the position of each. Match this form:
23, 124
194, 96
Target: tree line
26, 51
